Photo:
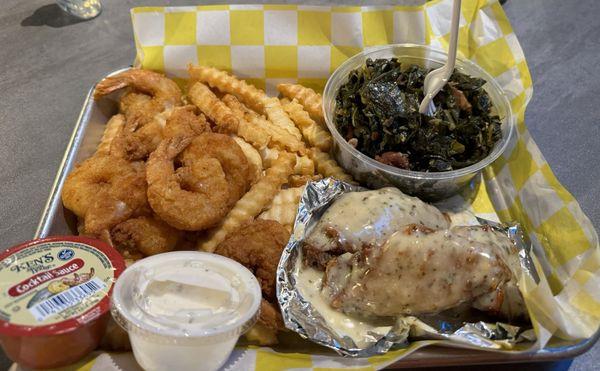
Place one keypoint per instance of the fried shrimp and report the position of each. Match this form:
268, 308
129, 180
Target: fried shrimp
232, 160
104, 191
139, 107
145, 234
164, 92
199, 194
137, 142
153, 95
131, 102
183, 122
257, 245
141, 132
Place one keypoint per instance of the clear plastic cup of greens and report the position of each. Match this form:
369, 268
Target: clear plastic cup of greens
424, 184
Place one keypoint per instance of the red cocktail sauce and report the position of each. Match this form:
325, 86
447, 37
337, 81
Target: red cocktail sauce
54, 299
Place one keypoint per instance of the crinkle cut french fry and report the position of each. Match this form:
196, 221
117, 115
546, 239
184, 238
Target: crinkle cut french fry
248, 94
284, 207
253, 157
226, 83
277, 115
286, 196
280, 138
254, 134
304, 164
221, 115
312, 132
301, 180
253, 202
114, 126
327, 166
308, 98
235, 105
268, 155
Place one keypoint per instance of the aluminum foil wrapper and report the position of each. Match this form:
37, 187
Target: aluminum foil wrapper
462, 326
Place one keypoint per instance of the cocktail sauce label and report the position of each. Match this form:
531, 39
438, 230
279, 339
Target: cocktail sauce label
54, 281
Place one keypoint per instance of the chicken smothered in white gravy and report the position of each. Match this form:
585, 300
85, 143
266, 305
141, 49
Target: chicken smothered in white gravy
382, 253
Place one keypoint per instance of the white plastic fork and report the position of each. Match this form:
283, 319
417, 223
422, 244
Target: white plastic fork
436, 79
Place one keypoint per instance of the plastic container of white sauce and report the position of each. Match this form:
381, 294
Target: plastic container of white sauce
185, 310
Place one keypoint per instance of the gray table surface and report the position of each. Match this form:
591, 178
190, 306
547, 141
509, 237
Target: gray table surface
49, 61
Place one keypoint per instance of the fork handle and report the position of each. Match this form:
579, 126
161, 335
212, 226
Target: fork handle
453, 36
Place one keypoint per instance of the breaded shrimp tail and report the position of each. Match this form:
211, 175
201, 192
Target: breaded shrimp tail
164, 90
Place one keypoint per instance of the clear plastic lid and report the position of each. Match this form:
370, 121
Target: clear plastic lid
186, 295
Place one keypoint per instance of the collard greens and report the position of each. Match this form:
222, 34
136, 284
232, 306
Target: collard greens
377, 111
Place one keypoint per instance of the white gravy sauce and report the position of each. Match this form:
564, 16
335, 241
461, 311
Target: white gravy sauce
309, 282
370, 217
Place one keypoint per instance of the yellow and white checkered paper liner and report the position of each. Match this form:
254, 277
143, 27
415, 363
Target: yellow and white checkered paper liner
270, 44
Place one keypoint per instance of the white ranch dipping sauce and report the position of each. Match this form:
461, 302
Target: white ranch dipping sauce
185, 310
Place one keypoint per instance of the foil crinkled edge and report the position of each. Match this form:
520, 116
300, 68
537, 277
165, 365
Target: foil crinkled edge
301, 317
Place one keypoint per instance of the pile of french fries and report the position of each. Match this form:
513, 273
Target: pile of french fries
288, 134
284, 139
